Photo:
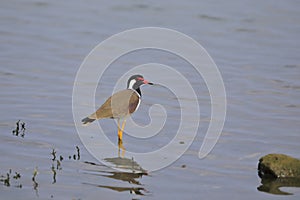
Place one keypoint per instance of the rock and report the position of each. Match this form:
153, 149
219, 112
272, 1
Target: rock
278, 166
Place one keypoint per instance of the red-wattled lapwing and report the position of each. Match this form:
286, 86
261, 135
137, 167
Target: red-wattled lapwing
120, 104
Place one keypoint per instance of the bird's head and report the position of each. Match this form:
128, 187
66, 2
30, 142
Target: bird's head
135, 81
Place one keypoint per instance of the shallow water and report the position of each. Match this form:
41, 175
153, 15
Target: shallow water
255, 45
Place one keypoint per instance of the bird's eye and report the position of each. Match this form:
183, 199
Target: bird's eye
140, 79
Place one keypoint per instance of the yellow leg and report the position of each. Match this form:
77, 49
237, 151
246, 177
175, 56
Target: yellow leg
120, 137
120, 132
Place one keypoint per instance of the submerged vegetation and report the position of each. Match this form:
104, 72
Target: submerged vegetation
20, 129
13, 179
6, 179
9, 178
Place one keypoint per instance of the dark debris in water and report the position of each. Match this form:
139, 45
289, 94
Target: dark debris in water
75, 156
54, 173
35, 184
20, 129
53, 153
13, 179
57, 162
6, 179
10, 179
78, 153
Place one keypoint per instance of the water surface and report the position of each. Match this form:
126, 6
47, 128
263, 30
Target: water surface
255, 45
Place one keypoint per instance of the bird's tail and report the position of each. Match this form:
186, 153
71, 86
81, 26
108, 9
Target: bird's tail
86, 121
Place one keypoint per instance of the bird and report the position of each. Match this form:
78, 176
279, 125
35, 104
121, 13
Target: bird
121, 104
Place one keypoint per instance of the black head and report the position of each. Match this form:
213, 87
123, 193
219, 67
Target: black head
135, 81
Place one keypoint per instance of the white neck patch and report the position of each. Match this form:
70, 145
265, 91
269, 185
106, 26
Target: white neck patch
131, 83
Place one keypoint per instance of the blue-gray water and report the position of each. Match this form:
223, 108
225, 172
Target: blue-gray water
254, 43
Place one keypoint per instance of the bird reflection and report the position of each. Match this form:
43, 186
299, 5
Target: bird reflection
132, 190
121, 149
129, 177
124, 176
131, 172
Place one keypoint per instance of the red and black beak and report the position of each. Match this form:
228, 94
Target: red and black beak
145, 81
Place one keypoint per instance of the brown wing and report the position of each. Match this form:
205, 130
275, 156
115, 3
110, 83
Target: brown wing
134, 102
119, 105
